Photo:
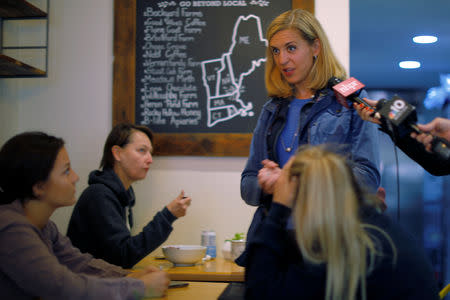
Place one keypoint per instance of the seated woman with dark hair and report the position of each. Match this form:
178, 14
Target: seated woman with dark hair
102, 218
343, 247
35, 259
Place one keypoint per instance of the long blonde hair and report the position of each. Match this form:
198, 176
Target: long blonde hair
327, 222
326, 65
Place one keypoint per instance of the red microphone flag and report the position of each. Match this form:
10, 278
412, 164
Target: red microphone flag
346, 88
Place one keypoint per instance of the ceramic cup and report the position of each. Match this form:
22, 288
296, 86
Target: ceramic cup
226, 250
237, 247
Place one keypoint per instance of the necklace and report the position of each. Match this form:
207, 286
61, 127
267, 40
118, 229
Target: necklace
289, 149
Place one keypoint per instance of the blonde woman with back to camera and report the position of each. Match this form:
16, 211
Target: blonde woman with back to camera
345, 248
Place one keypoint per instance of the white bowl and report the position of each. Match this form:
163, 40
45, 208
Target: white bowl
184, 255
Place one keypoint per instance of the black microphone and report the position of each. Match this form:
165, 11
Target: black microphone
399, 119
398, 116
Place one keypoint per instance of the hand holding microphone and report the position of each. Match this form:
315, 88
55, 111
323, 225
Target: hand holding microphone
347, 90
439, 127
397, 117
367, 113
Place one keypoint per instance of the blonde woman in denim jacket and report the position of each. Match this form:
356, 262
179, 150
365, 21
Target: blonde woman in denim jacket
302, 110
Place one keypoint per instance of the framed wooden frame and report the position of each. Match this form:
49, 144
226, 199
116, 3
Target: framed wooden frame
197, 144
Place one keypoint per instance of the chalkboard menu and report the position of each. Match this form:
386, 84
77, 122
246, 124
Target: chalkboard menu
193, 71
200, 64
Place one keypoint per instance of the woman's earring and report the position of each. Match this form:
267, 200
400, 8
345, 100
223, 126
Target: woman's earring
314, 58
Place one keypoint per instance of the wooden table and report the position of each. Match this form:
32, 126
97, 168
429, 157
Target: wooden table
196, 290
217, 269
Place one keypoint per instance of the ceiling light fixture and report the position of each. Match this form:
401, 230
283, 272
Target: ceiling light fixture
425, 39
409, 64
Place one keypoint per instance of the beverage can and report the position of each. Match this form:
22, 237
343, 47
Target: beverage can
209, 241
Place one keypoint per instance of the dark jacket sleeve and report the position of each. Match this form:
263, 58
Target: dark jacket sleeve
417, 152
270, 273
109, 236
406, 275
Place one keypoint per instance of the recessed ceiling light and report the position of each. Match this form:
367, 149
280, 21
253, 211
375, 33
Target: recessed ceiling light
409, 64
425, 39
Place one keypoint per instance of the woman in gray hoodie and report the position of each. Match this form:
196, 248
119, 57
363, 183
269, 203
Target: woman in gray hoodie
35, 259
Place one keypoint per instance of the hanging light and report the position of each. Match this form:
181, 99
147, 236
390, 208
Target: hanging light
425, 39
409, 64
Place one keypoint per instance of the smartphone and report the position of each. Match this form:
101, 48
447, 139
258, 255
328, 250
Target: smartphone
177, 284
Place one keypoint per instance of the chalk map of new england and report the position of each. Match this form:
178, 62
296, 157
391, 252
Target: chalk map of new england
224, 77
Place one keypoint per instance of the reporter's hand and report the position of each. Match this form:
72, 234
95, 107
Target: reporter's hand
179, 205
268, 175
156, 282
424, 138
364, 112
438, 127
285, 187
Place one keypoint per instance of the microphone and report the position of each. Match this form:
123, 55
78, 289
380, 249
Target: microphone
397, 116
348, 89
400, 118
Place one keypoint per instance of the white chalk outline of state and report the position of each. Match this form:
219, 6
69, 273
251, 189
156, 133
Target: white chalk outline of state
226, 57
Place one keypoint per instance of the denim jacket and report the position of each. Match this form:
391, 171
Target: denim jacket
323, 121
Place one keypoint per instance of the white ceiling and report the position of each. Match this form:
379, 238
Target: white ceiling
381, 33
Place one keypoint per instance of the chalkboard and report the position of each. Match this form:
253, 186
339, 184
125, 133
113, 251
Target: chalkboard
198, 71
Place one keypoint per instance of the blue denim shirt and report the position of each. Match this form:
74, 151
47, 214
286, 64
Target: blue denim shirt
327, 122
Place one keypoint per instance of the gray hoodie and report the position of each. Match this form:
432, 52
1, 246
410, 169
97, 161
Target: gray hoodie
43, 263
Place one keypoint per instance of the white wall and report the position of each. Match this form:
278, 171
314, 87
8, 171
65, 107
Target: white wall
74, 102
335, 19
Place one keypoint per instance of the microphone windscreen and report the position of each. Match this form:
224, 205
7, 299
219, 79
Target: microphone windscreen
380, 104
333, 81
